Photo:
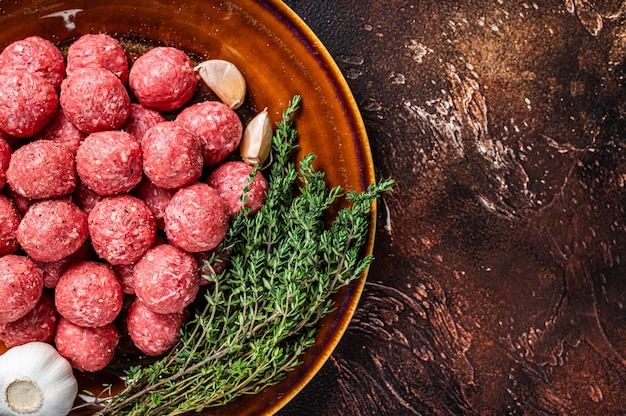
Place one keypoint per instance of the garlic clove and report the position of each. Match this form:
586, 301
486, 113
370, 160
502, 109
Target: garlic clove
36, 380
225, 79
257, 139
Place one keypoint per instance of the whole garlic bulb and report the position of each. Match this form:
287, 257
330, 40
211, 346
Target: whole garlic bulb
36, 380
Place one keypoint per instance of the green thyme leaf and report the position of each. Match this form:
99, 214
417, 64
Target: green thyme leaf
261, 314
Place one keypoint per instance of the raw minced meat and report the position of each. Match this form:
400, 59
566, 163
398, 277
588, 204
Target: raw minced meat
28, 102
42, 169
89, 294
94, 99
166, 279
218, 127
87, 349
231, 178
153, 333
35, 54
156, 198
163, 78
21, 286
98, 50
9, 222
110, 162
52, 229
37, 325
61, 130
140, 120
196, 219
5, 159
122, 229
172, 157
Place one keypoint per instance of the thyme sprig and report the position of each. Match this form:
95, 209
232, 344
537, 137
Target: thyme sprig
262, 312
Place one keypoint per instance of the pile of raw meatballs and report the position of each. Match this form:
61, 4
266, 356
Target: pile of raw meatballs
115, 191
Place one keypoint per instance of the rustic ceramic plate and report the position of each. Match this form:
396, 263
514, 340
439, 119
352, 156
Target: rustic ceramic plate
279, 57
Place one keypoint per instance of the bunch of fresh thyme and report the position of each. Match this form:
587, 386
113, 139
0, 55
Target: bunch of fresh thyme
261, 313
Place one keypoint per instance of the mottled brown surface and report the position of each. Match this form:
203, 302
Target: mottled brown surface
499, 286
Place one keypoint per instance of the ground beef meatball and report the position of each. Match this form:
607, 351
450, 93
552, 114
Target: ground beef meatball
163, 78
21, 203
84, 197
52, 229
153, 333
89, 294
35, 54
140, 120
94, 99
110, 162
61, 130
9, 222
125, 273
42, 169
28, 102
122, 229
218, 127
172, 157
87, 349
52, 271
37, 325
166, 279
156, 198
21, 287
5, 159
231, 178
196, 219
98, 50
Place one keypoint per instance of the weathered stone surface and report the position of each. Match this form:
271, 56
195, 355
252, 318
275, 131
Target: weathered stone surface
500, 280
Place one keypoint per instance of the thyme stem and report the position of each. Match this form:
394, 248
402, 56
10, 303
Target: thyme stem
261, 314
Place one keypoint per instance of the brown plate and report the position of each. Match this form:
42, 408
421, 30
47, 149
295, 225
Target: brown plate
279, 57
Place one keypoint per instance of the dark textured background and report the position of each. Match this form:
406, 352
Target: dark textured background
498, 286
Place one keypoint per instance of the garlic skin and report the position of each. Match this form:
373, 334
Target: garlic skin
256, 142
225, 79
35, 380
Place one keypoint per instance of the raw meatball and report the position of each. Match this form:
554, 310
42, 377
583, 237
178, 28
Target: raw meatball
211, 263
153, 333
163, 78
122, 229
35, 54
84, 197
94, 99
42, 169
218, 127
61, 130
110, 162
172, 157
156, 198
230, 179
140, 120
89, 294
5, 159
52, 229
166, 279
21, 287
196, 219
52, 271
27, 102
125, 273
98, 51
37, 325
21, 203
87, 349
9, 222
